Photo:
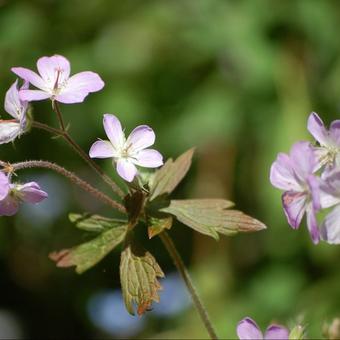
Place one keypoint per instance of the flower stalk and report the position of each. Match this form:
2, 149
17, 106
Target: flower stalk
176, 257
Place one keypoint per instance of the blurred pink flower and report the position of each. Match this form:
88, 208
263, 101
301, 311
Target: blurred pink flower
54, 81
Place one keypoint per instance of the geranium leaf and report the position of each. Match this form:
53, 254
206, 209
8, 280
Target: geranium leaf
170, 174
88, 254
157, 225
210, 217
139, 274
94, 223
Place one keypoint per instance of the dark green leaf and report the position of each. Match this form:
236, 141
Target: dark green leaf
138, 275
157, 225
90, 253
210, 217
170, 174
95, 223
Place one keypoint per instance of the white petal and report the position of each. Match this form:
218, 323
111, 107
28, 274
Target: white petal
9, 131
102, 149
114, 130
149, 158
141, 138
126, 169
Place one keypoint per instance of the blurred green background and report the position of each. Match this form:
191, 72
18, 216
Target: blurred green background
237, 79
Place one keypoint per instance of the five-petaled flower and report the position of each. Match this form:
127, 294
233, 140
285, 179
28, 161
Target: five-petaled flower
247, 329
328, 152
12, 194
127, 153
293, 173
55, 82
10, 129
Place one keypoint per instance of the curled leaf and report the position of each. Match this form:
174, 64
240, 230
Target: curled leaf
210, 217
138, 275
166, 179
94, 223
90, 253
157, 225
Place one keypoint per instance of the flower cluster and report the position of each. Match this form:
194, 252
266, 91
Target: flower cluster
310, 179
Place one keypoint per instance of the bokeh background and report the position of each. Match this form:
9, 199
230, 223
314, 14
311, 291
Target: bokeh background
237, 79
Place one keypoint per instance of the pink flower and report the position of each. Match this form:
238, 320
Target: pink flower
127, 153
247, 329
11, 195
54, 81
12, 128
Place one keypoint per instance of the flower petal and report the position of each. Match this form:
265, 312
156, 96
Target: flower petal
79, 86
12, 101
274, 332
102, 149
53, 68
282, 174
330, 188
330, 228
317, 129
4, 185
32, 95
30, 76
31, 192
149, 158
9, 131
314, 188
303, 159
141, 138
9, 206
113, 130
248, 329
312, 224
294, 205
334, 132
126, 170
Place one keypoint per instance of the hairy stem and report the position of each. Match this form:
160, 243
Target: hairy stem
56, 109
73, 178
64, 134
176, 257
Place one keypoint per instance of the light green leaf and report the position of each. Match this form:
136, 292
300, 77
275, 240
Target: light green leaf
94, 223
210, 217
166, 179
138, 275
90, 253
157, 225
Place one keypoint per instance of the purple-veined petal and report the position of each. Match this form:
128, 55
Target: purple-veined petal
54, 68
141, 138
247, 329
9, 131
330, 228
79, 86
32, 95
312, 224
282, 174
31, 192
113, 130
12, 101
102, 149
30, 76
334, 132
303, 159
126, 169
294, 205
314, 187
148, 158
9, 206
317, 129
276, 332
4, 185
330, 188
321, 154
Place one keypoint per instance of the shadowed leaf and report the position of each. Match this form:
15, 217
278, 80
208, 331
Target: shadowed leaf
210, 217
90, 253
134, 204
170, 174
138, 275
157, 225
94, 223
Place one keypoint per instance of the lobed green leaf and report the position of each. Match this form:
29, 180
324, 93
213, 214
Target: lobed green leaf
157, 225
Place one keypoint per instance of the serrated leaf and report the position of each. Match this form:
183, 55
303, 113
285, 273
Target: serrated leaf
210, 217
88, 254
167, 178
94, 223
139, 274
157, 225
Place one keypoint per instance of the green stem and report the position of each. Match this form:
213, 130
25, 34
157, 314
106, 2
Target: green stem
64, 134
176, 257
72, 177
